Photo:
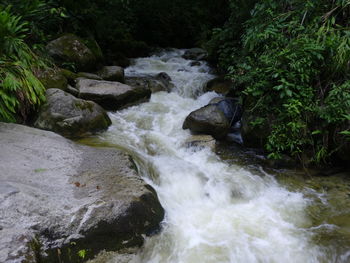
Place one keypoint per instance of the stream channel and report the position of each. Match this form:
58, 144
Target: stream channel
223, 206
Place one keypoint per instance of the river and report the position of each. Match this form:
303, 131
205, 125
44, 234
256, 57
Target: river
216, 210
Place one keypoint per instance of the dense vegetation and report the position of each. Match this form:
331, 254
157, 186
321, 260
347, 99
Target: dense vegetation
289, 59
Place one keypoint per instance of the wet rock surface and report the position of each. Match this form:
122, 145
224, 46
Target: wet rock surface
70, 116
60, 197
208, 120
112, 95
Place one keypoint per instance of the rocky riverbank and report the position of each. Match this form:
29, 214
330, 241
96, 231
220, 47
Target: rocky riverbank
61, 202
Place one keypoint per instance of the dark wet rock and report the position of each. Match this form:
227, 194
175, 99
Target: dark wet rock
195, 54
219, 85
52, 79
208, 120
61, 197
160, 82
231, 108
71, 49
112, 95
70, 116
112, 73
195, 64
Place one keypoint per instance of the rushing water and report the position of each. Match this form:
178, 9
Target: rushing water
215, 211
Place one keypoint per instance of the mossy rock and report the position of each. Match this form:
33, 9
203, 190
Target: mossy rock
70, 116
70, 49
52, 78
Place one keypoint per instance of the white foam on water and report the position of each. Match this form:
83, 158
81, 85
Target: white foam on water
215, 212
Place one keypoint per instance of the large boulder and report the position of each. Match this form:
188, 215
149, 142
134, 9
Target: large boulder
59, 198
219, 85
208, 120
160, 82
52, 78
71, 49
195, 54
112, 73
111, 95
230, 107
70, 116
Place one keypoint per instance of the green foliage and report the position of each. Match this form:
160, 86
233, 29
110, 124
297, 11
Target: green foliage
20, 90
292, 61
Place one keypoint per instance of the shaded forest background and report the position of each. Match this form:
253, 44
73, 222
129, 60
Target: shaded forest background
289, 59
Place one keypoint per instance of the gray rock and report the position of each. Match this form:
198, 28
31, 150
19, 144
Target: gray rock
112, 95
112, 73
160, 82
52, 79
87, 75
71, 49
208, 120
219, 85
195, 54
60, 195
70, 116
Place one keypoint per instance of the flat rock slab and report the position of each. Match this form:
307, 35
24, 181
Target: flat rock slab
112, 95
60, 197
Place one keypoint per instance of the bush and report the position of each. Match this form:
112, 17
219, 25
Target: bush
20, 90
292, 61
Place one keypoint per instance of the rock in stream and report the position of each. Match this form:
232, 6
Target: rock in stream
60, 198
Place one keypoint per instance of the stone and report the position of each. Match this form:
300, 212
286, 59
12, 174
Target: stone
208, 120
160, 82
219, 85
58, 198
112, 73
195, 54
112, 95
52, 79
201, 141
69, 116
71, 49
87, 75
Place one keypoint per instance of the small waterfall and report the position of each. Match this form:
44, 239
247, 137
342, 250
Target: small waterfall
215, 212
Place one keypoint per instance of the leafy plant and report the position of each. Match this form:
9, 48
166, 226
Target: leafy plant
291, 63
20, 90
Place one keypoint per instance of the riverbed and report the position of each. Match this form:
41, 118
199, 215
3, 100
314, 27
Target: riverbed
223, 206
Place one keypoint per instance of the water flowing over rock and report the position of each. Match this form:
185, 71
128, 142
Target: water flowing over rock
208, 120
60, 197
112, 73
71, 49
111, 95
70, 116
216, 211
